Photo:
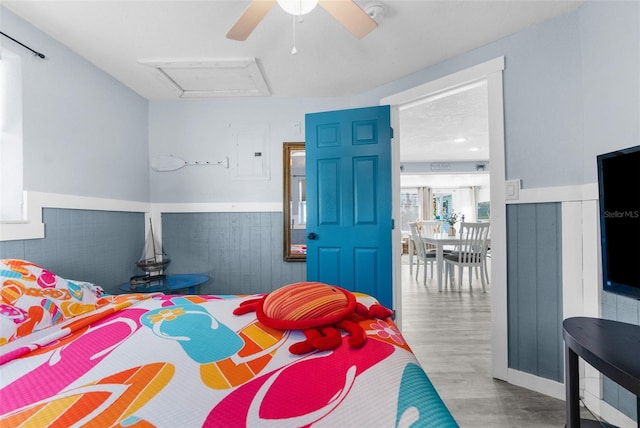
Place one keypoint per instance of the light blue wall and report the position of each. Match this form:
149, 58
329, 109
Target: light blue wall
543, 104
84, 132
610, 50
542, 99
571, 88
543, 114
571, 91
203, 130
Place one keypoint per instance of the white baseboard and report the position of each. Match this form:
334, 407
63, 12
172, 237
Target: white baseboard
538, 384
555, 389
607, 412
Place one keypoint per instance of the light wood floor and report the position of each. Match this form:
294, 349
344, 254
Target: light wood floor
450, 334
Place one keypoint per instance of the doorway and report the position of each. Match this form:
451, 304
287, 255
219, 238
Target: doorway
490, 73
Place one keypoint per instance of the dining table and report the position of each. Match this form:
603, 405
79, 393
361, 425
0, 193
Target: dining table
439, 241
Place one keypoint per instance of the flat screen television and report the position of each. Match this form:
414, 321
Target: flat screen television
619, 200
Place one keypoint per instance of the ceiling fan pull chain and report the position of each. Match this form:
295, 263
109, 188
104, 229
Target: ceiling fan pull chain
294, 50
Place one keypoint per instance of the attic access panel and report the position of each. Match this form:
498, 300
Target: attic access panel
213, 78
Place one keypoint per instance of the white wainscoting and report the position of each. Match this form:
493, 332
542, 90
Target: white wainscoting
581, 289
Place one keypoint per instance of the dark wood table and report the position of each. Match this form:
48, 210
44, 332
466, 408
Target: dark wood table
611, 347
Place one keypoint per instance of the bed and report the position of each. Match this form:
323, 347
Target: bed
72, 356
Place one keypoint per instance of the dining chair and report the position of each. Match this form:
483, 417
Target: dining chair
430, 227
423, 254
484, 268
487, 254
471, 252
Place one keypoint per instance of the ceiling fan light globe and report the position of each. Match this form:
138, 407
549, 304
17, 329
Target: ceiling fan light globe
297, 7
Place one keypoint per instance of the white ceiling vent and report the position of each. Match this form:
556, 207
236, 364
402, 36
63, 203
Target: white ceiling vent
211, 78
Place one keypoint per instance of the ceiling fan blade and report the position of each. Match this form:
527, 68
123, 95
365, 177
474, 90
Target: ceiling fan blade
250, 19
350, 15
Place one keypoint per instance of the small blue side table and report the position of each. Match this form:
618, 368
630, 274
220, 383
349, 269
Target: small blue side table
168, 283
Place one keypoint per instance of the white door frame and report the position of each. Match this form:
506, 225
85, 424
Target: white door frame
491, 72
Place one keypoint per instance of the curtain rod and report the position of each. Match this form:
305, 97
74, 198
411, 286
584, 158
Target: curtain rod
36, 53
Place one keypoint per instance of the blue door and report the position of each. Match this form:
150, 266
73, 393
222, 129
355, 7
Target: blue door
349, 223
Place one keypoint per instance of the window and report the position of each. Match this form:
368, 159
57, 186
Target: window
409, 207
11, 177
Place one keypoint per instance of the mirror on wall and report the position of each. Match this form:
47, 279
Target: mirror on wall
295, 202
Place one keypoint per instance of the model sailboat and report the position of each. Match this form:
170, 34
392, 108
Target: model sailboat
153, 260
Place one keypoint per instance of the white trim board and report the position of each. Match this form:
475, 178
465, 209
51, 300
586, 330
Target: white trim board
491, 72
446, 83
33, 228
215, 207
580, 192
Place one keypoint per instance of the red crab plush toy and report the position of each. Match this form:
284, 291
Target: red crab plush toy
318, 310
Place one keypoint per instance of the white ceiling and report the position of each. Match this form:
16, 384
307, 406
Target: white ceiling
119, 36
116, 35
448, 128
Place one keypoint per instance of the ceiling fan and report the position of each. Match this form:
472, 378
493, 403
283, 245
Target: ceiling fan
347, 12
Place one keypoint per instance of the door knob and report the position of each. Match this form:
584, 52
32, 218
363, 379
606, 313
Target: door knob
312, 236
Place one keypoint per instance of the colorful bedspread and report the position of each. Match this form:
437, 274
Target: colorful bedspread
187, 361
